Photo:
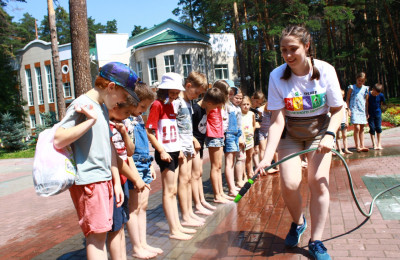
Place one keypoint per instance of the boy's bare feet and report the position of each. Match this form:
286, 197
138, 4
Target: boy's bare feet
347, 151
187, 230
233, 193
379, 148
156, 250
203, 211
143, 254
208, 205
194, 216
220, 199
228, 197
192, 223
364, 149
180, 236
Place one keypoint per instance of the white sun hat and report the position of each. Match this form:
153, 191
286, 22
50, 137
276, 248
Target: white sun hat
171, 80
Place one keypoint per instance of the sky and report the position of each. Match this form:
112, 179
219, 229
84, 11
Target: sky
128, 13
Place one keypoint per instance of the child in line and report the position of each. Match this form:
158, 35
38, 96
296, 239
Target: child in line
87, 131
375, 100
343, 131
142, 159
263, 134
121, 140
257, 100
357, 98
212, 99
162, 131
214, 142
233, 138
248, 126
196, 84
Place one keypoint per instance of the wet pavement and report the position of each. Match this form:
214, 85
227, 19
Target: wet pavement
255, 228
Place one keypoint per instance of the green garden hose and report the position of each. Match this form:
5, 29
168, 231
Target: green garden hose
248, 184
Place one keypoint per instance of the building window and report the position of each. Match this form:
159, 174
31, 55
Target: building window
50, 88
39, 85
169, 63
32, 120
28, 76
187, 65
202, 65
67, 90
153, 71
221, 71
139, 70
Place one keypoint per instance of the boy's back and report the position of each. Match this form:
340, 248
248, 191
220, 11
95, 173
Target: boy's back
92, 151
374, 104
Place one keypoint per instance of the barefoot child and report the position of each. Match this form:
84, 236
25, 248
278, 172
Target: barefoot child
142, 159
357, 98
248, 126
195, 84
233, 137
343, 130
88, 132
375, 100
162, 131
214, 142
212, 99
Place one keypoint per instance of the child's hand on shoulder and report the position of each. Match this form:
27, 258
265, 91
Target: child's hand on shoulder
87, 110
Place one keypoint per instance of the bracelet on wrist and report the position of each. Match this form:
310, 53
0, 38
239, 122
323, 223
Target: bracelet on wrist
330, 133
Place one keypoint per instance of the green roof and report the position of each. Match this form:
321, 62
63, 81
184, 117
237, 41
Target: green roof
168, 36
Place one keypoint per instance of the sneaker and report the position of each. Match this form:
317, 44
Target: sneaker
318, 250
295, 232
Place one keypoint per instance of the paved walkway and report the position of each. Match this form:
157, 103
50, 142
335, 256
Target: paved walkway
47, 228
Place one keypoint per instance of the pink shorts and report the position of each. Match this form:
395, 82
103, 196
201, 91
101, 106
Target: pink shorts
94, 205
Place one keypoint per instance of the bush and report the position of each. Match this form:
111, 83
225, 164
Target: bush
392, 115
12, 133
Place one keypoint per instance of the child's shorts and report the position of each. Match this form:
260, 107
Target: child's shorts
201, 151
262, 135
143, 163
167, 165
256, 136
231, 143
375, 124
94, 205
214, 142
342, 126
121, 214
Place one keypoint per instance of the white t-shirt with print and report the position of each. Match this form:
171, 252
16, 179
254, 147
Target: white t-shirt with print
302, 97
184, 111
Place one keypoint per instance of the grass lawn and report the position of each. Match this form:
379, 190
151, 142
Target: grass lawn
28, 153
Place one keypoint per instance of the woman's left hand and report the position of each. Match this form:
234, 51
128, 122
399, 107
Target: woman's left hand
326, 144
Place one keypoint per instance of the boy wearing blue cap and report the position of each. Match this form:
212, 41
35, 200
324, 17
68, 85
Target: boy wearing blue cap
87, 131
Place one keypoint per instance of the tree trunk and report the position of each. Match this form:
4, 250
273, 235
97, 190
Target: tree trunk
56, 61
80, 46
239, 50
249, 36
389, 16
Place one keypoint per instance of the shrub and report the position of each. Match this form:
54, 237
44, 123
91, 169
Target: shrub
12, 133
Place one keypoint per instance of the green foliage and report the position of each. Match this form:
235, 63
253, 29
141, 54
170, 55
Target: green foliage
12, 133
28, 153
138, 29
62, 24
48, 120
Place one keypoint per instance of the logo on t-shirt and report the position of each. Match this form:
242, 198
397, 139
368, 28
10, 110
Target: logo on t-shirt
305, 104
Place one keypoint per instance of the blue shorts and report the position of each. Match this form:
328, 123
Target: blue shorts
375, 124
121, 214
214, 142
143, 163
231, 143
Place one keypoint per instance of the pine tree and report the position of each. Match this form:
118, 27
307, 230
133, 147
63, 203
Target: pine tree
12, 133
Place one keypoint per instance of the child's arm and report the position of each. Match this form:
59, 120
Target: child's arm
349, 91
64, 137
153, 172
119, 194
153, 140
366, 105
130, 146
254, 121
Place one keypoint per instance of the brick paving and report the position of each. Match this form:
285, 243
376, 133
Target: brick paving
47, 228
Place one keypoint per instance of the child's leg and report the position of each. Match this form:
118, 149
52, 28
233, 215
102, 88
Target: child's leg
378, 124
197, 185
344, 137
215, 174
142, 222
116, 244
134, 225
249, 163
379, 144
373, 141
263, 145
96, 246
361, 134
229, 173
240, 172
356, 137
169, 184
184, 192
256, 155
339, 148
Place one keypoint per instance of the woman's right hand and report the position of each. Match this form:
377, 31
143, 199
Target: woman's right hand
261, 167
166, 157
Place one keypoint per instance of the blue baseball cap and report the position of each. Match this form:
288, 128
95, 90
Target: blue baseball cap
121, 75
